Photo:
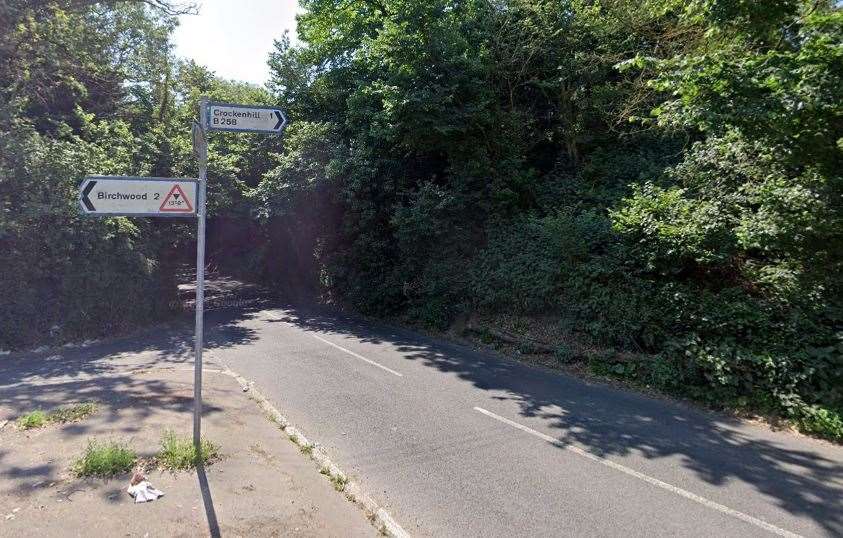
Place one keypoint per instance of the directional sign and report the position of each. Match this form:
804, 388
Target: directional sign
248, 118
138, 196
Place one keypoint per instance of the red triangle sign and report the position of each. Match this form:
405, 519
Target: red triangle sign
176, 202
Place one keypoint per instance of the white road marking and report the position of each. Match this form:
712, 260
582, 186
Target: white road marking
353, 354
649, 479
272, 315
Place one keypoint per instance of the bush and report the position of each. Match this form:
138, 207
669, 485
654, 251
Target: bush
571, 263
528, 262
820, 421
73, 277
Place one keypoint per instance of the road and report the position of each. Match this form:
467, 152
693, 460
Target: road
459, 442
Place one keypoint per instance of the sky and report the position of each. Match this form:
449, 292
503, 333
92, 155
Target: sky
233, 38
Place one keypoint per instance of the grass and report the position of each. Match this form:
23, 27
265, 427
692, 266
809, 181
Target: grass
62, 415
338, 481
72, 413
179, 453
33, 419
105, 460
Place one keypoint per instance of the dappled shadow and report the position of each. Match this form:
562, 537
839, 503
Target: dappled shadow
26, 478
803, 477
105, 371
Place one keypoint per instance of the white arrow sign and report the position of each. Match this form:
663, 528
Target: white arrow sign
138, 196
248, 118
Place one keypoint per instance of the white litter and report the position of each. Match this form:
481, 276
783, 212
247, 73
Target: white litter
144, 492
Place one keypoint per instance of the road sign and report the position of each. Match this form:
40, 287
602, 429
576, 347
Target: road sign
217, 117
248, 118
138, 196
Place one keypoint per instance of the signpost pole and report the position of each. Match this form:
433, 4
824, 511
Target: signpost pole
201, 145
106, 196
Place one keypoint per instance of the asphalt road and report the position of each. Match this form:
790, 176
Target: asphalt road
456, 442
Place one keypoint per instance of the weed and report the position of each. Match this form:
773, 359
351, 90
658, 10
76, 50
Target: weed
72, 413
105, 459
179, 453
62, 415
33, 419
306, 449
339, 482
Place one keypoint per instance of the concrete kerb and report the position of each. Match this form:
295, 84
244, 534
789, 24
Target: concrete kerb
352, 490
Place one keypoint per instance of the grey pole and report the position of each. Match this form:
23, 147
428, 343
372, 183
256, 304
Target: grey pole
200, 144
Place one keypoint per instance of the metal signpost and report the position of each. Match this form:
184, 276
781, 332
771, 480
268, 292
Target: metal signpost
105, 196
200, 149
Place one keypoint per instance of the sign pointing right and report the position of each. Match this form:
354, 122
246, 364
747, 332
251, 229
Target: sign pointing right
245, 118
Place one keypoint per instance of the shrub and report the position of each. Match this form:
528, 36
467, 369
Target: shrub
72, 277
817, 420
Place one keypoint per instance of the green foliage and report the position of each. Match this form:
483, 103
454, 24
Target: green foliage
62, 415
665, 175
565, 354
32, 420
180, 454
105, 459
72, 413
820, 421
93, 88
73, 277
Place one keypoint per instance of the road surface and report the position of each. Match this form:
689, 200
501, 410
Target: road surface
457, 442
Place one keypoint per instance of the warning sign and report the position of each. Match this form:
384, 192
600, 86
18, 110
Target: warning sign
176, 201
106, 196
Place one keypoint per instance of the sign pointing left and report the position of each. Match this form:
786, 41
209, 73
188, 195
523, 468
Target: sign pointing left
138, 196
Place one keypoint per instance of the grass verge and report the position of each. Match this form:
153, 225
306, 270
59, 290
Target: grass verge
105, 459
179, 453
62, 415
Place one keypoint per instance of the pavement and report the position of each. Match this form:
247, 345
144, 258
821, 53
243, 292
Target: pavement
262, 486
456, 441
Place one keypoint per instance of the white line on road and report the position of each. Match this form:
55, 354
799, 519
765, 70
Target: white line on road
649, 479
353, 354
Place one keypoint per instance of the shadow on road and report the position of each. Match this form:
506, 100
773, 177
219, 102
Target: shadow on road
609, 421
101, 371
605, 421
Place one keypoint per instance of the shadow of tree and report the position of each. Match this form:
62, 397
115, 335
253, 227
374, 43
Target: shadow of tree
803, 477
109, 371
